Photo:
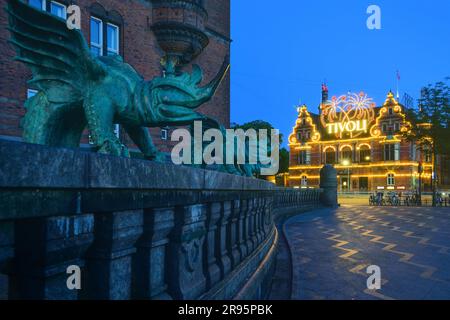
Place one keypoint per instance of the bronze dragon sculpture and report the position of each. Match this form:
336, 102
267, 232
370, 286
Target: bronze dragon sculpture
79, 90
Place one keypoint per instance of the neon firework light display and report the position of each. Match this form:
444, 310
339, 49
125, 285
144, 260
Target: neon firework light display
349, 114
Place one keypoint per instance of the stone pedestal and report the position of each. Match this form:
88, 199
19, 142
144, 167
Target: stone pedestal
329, 184
109, 260
150, 258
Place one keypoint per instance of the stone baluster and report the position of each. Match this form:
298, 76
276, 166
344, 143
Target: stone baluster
259, 219
248, 226
233, 234
212, 269
223, 258
151, 255
242, 239
6, 255
45, 248
252, 214
186, 259
109, 260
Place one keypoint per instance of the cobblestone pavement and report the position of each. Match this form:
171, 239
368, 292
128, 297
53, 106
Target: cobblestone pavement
331, 250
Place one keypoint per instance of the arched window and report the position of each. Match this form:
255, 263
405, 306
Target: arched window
330, 156
365, 154
347, 154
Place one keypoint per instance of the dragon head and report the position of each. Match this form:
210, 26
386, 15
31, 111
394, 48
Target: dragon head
176, 96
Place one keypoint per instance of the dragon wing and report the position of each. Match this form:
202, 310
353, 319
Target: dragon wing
59, 58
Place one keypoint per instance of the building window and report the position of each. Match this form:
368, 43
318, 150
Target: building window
58, 9
391, 179
397, 127
427, 155
54, 7
347, 154
31, 93
384, 128
164, 134
304, 181
304, 157
112, 39
391, 112
391, 152
364, 154
105, 37
40, 4
330, 156
96, 36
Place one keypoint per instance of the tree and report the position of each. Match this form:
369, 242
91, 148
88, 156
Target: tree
431, 123
260, 124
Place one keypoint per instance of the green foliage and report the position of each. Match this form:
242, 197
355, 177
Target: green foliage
431, 122
284, 160
260, 124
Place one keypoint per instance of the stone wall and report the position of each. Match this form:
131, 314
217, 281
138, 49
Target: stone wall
136, 229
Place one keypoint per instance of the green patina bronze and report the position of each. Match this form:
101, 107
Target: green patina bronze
78, 90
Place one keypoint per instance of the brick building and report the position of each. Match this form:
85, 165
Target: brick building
364, 143
122, 27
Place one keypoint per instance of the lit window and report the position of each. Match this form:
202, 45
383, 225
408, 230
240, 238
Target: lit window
58, 9
304, 157
391, 179
364, 154
347, 154
164, 134
304, 181
330, 156
392, 152
40, 4
31, 93
397, 126
96, 36
112, 39
384, 128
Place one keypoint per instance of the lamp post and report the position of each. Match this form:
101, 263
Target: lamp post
346, 163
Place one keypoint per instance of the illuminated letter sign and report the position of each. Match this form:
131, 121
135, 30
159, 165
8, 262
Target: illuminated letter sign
349, 114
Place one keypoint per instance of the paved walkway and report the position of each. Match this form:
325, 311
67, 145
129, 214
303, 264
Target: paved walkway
331, 250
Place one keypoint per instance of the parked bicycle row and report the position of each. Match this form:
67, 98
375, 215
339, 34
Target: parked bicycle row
393, 198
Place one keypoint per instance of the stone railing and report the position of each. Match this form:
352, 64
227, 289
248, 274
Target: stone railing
135, 229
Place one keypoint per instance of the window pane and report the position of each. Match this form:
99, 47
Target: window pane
112, 39
37, 4
96, 31
31, 93
58, 9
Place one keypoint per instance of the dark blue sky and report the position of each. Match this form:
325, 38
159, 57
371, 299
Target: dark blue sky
283, 50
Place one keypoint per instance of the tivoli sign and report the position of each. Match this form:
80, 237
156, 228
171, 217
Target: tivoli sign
349, 126
350, 114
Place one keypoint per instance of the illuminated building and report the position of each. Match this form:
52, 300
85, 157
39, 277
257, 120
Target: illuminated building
364, 143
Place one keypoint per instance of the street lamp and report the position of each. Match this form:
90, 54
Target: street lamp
346, 163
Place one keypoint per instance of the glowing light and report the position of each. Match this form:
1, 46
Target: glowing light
346, 163
350, 113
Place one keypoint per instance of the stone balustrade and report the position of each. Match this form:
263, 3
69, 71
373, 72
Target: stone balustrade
136, 229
